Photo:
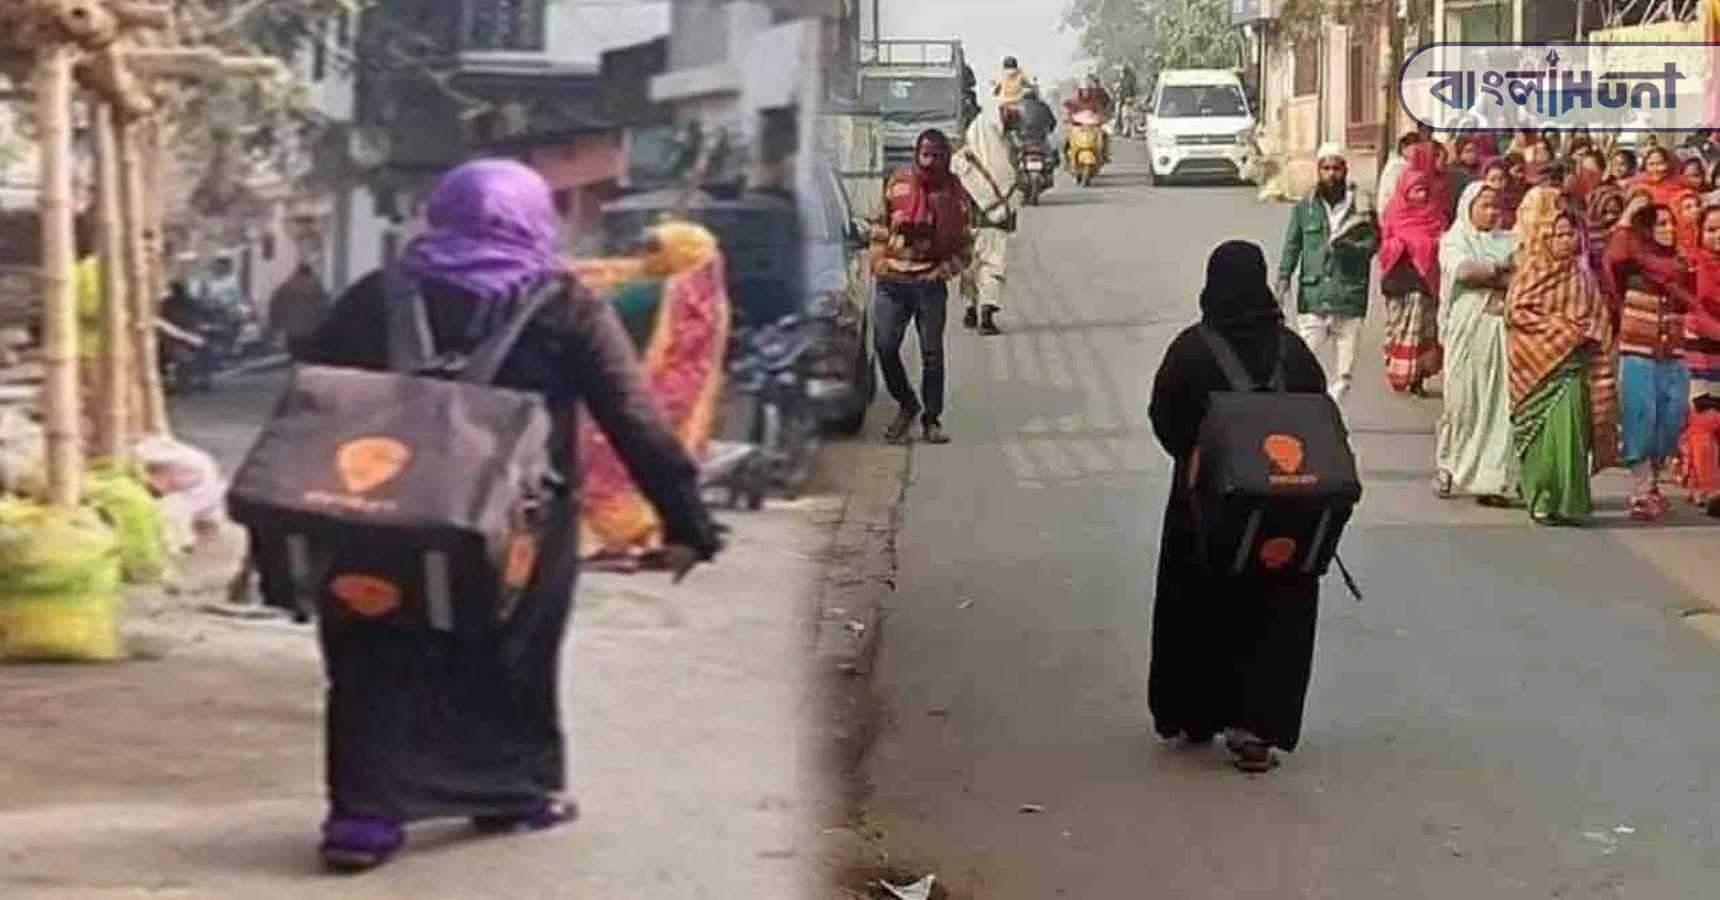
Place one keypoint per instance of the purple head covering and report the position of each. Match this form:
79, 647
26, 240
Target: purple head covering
493, 232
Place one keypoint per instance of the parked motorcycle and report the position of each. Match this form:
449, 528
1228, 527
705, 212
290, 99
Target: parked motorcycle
789, 406
197, 353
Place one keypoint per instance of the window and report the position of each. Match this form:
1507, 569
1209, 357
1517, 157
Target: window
1364, 75
502, 25
1200, 101
1488, 22
1307, 69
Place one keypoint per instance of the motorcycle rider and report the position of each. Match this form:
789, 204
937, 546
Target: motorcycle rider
1090, 108
1011, 86
1032, 120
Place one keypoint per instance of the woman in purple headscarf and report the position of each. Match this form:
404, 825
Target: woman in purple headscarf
427, 725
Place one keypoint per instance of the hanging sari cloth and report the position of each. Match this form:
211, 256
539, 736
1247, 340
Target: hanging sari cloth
1474, 437
683, 359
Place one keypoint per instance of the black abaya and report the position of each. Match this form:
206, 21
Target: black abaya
423, 724
1227, 651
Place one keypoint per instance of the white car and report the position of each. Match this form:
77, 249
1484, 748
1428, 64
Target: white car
1200, 126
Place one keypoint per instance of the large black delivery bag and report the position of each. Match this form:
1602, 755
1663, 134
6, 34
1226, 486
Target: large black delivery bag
414, 497
1272, 477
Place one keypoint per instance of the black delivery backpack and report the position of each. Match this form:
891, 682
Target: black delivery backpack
1272, 476
415, 497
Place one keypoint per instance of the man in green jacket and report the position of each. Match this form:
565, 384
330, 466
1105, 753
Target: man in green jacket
1331, 242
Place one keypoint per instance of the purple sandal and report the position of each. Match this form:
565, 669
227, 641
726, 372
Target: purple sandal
359, 843
549, 814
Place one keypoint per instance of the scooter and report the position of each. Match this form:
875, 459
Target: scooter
1086, 151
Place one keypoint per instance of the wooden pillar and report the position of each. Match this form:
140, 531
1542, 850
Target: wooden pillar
61, 414
139, 155
113, 415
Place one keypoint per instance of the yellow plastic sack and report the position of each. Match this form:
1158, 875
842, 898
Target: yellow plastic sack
59, 585
120, 497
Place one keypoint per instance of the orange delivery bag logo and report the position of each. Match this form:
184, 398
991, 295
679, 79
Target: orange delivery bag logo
368, 463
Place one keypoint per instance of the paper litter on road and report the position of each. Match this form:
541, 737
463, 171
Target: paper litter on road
967, 603
919, 890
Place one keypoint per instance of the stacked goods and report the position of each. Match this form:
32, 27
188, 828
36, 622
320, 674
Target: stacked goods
59, 584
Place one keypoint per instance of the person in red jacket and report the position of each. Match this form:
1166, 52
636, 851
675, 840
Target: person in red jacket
923, 237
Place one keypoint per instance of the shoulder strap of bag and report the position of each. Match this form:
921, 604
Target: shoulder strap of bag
487, 360
412, 344
1231, 364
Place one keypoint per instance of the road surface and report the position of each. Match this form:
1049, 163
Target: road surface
1513, 712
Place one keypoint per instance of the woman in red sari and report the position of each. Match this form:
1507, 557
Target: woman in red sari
1651, 286
1659, 178
1508, 193
1701, 443
1686, 210
1410, 231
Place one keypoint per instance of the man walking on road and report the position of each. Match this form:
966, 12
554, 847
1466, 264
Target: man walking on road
922, 239
988, 172
1331, 243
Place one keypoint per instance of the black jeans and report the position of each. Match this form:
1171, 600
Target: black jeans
924, 303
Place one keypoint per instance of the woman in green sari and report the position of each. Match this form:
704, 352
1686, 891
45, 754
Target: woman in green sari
1564, 389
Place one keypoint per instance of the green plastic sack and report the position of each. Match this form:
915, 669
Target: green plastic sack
120, 497
59, 584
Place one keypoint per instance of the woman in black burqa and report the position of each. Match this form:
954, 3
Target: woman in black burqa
1230, 654
423, 725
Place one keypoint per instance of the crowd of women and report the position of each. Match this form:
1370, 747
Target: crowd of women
1570, 296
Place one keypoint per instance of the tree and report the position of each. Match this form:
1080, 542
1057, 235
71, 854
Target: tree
1152, 35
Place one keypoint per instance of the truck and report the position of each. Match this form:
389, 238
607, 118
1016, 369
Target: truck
913, 85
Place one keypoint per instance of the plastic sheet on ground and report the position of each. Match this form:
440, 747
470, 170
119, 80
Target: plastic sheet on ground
919, 890
189, 484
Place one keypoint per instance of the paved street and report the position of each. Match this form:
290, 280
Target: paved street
1513, 712
196, 770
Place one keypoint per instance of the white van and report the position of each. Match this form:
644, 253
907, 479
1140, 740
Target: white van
1200, 126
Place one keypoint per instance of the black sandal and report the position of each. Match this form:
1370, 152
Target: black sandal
1255, 758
